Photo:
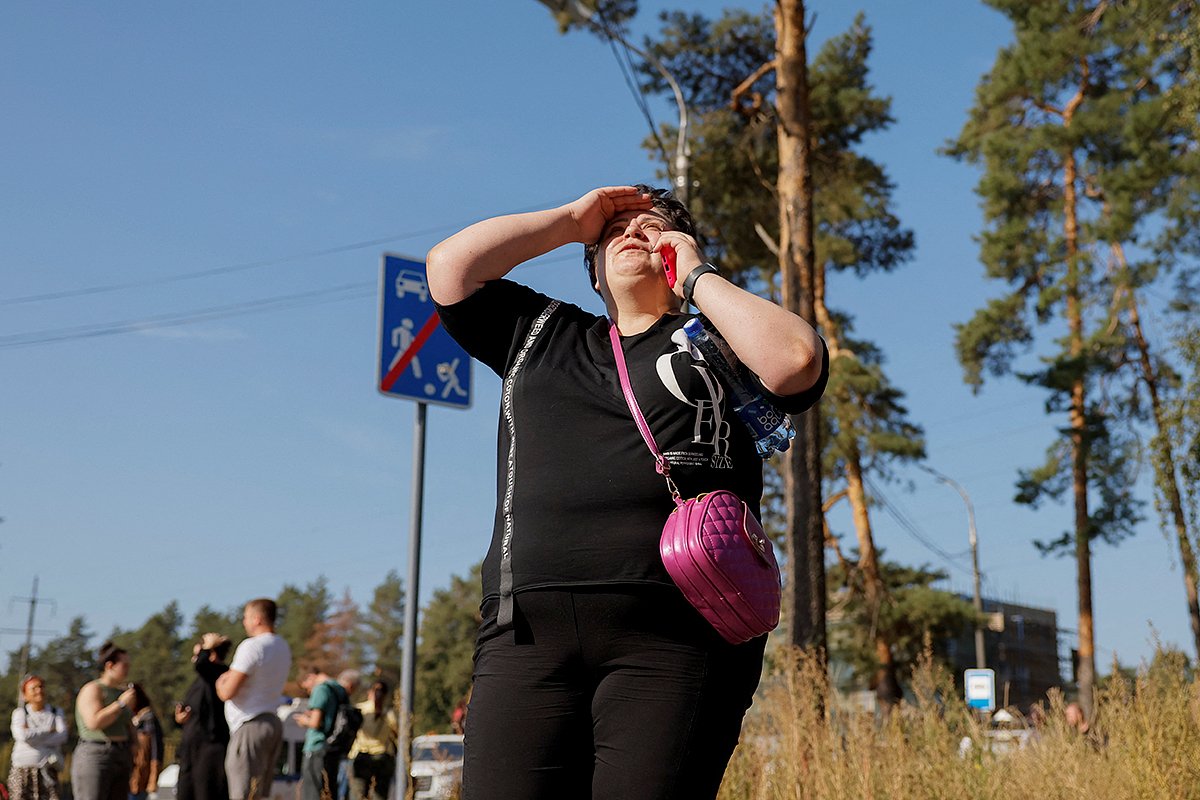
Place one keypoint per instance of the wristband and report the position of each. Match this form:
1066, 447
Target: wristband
689, 283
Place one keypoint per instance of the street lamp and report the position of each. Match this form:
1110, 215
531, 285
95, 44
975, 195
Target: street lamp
576, 11
980, 657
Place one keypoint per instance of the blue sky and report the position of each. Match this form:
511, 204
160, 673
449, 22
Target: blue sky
281, 148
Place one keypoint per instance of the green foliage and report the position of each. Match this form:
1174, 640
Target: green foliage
381, 630
1186, 425
734, 170
332, 644
1084, 87
868, 423
159, 658
300, 610
599, 15
911, 609
444, 658
329, 634
66, 663
209, 620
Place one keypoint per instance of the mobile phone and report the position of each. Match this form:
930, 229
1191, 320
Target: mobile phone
668, 258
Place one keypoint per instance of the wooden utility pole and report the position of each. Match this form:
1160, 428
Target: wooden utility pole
805, 603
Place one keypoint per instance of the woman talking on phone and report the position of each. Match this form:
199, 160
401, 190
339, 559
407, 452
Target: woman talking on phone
102, 761
594, 677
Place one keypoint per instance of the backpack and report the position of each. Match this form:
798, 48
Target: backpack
346, 723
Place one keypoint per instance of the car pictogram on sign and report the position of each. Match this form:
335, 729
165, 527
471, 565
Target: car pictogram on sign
410, 282
418, 359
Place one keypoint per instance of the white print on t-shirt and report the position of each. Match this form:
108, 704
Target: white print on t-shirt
711, 427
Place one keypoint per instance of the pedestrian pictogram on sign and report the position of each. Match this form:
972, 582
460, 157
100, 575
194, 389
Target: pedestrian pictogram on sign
417, 358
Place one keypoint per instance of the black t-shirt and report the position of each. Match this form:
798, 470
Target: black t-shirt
579, 501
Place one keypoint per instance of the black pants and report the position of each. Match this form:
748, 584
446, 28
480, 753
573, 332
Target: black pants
202, 772
371, 776
615, 694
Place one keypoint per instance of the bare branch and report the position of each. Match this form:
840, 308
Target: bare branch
756, 98
771, 244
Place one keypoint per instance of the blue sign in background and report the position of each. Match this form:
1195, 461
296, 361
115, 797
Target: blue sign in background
417, 358
980, 688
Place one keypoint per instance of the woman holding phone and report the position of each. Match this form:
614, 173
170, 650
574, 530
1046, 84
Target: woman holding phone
104, 708
594, 677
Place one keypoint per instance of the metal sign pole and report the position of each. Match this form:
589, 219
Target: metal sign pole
408, 658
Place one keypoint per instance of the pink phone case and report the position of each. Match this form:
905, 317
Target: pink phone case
668, 258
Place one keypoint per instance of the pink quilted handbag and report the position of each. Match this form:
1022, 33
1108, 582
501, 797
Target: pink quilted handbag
713, 547
717, 554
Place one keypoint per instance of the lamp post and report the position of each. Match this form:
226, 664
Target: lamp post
576, 11
980, 656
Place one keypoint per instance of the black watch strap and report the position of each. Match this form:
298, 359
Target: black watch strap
689, 283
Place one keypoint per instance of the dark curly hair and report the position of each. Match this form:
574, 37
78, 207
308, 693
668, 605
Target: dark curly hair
109, 653
664, 203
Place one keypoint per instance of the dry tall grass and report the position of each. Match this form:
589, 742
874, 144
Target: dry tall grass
1145, 745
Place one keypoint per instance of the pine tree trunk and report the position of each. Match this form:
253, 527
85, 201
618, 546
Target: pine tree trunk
1164, 466
1086, 675
886, 685
886, 682
805, 603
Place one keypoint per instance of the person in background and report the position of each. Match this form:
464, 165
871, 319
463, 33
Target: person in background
373, 756
101, 763
147, 748
39, 732
252, 689
319, 771
205, 731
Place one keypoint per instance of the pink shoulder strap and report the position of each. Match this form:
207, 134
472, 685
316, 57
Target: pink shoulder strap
664, 468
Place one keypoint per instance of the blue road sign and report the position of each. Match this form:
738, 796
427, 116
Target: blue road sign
980, 688
417, 358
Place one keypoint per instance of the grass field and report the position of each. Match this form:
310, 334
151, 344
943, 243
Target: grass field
1145, 744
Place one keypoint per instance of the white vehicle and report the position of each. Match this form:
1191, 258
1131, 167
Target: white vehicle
437, 764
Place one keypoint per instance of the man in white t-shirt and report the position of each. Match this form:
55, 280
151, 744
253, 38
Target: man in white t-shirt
252, 689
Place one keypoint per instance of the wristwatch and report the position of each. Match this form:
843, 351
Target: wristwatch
689, 283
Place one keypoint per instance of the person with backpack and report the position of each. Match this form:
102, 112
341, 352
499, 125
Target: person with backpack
327, 741
39, 731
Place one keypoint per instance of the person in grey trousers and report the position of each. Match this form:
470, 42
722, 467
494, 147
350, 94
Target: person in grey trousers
252, 689
101, 763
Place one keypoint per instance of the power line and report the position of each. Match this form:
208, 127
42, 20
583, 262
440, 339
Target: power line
233, 268
206, 273
175, 319
911, 528
349, 291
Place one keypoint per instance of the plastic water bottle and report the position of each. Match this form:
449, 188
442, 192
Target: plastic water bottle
770, 427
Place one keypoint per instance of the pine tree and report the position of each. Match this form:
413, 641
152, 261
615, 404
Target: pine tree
865, 428
209, 620
913, 610
1043, 120
449, 624
299, 613
331, 646
1148, 183
381, 629
159, 658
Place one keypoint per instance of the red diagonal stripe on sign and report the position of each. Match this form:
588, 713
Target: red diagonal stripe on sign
426, 331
